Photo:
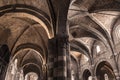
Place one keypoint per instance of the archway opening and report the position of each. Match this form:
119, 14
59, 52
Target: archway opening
31, 76
13, 71
4, 60
104, 71
86, 75
35, 70
25, 61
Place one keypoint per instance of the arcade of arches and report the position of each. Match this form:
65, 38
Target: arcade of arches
59, 39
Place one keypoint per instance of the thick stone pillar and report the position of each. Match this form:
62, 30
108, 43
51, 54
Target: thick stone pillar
59, 67
52, 59
61, 57
63, 63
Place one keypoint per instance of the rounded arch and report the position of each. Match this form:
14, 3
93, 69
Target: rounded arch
14, 68
91, 32
31, 67
86, 74
33, 47
104, 68
22, 10
77, 45
24, 55
100, 61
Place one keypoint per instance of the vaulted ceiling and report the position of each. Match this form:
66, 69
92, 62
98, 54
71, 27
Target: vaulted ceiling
91, 21
26, 25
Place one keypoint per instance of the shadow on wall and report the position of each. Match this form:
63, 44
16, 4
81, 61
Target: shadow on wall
4, 60
4, 34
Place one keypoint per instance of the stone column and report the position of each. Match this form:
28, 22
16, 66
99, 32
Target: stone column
63, 55
63, 59
52, 59
59, 67
68, 57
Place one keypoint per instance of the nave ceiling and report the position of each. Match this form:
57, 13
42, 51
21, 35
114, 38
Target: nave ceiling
93, 21
27, 25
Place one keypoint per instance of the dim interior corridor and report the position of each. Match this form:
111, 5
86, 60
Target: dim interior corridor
59, 40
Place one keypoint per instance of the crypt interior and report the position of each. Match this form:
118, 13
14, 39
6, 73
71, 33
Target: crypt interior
59, 39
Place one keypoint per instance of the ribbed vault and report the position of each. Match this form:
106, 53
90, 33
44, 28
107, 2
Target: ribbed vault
91, 21
25, 27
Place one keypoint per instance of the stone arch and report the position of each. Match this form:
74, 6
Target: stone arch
24, 60
28, 49
22, 10
86, 74
103, 68
34, 47
80, 47
31, 67
102, 60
